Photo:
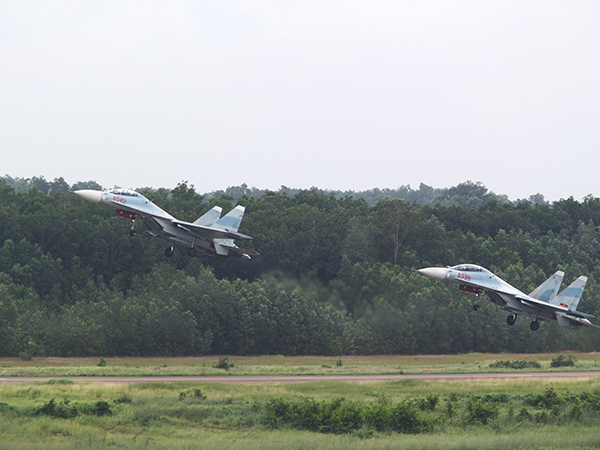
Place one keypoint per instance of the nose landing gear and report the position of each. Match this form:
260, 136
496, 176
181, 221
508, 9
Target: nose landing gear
476, 306
132, 231
534, 325
511, 319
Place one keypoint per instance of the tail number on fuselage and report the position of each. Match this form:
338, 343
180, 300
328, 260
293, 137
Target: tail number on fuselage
119, 199
464, 276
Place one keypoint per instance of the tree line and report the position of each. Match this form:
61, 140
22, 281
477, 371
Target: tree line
337, 274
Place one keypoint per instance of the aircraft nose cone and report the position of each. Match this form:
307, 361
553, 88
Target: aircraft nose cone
89, 195
435, 273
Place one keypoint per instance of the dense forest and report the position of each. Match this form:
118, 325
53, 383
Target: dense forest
337, 272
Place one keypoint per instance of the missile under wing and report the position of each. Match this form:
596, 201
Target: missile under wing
210, 234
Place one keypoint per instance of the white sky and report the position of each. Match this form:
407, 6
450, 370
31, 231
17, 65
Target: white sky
333, 94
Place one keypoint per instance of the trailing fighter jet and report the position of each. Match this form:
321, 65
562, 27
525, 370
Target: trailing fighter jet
543, 303
210, 234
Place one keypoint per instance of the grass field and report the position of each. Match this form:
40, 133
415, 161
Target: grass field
282, 365
496, 414
184, 415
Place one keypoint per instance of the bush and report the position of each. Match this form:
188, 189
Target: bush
66, 410
428, 403
63, 410
341, 416
224, 364
480, 412
517, 364
548, 399
563, 361
102, 362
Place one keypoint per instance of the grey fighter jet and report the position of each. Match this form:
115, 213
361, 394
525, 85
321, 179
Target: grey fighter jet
210, 234
543, 303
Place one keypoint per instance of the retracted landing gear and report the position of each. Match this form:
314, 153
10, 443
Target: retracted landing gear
169, 251
534, 325
511, 319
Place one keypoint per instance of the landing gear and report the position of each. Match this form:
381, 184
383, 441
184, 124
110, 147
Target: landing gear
192, 252
132, 231
511, 320
169, 251
476, 306
534, 325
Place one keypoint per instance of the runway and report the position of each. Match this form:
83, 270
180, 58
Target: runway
261, 379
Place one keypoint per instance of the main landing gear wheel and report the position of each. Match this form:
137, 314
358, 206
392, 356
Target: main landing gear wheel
131, 233
192, 252
534, 325
476, 307
511, 320
169, 252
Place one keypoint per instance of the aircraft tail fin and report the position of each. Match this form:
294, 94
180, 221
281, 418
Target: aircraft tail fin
210, 217
569, 298
232, 220
548, 289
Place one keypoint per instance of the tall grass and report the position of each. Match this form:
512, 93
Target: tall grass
457, 415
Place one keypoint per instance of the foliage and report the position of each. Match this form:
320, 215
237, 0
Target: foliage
562, 361
342, 416
336, 273
224, 363
516, 364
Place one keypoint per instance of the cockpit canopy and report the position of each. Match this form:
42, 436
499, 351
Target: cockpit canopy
124, 192
468, 268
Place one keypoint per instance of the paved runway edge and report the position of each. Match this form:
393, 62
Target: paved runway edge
259, 379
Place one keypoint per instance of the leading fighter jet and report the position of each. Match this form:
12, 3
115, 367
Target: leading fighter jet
210, 234
543, 303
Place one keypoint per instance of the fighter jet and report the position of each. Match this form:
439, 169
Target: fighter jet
210, 234
543, 303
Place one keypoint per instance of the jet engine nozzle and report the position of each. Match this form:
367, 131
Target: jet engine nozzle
435, 273
89, 195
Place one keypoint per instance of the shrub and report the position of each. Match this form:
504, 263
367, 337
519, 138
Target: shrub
124, 399
102, 362
341, 416
562, 361
405, 419
548, 399
517, 364
224, 364
428, 403
480, 412
62, 410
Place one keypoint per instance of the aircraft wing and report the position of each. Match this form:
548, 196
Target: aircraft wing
208, 233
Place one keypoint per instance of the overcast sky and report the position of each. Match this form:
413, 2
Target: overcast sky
333, 94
